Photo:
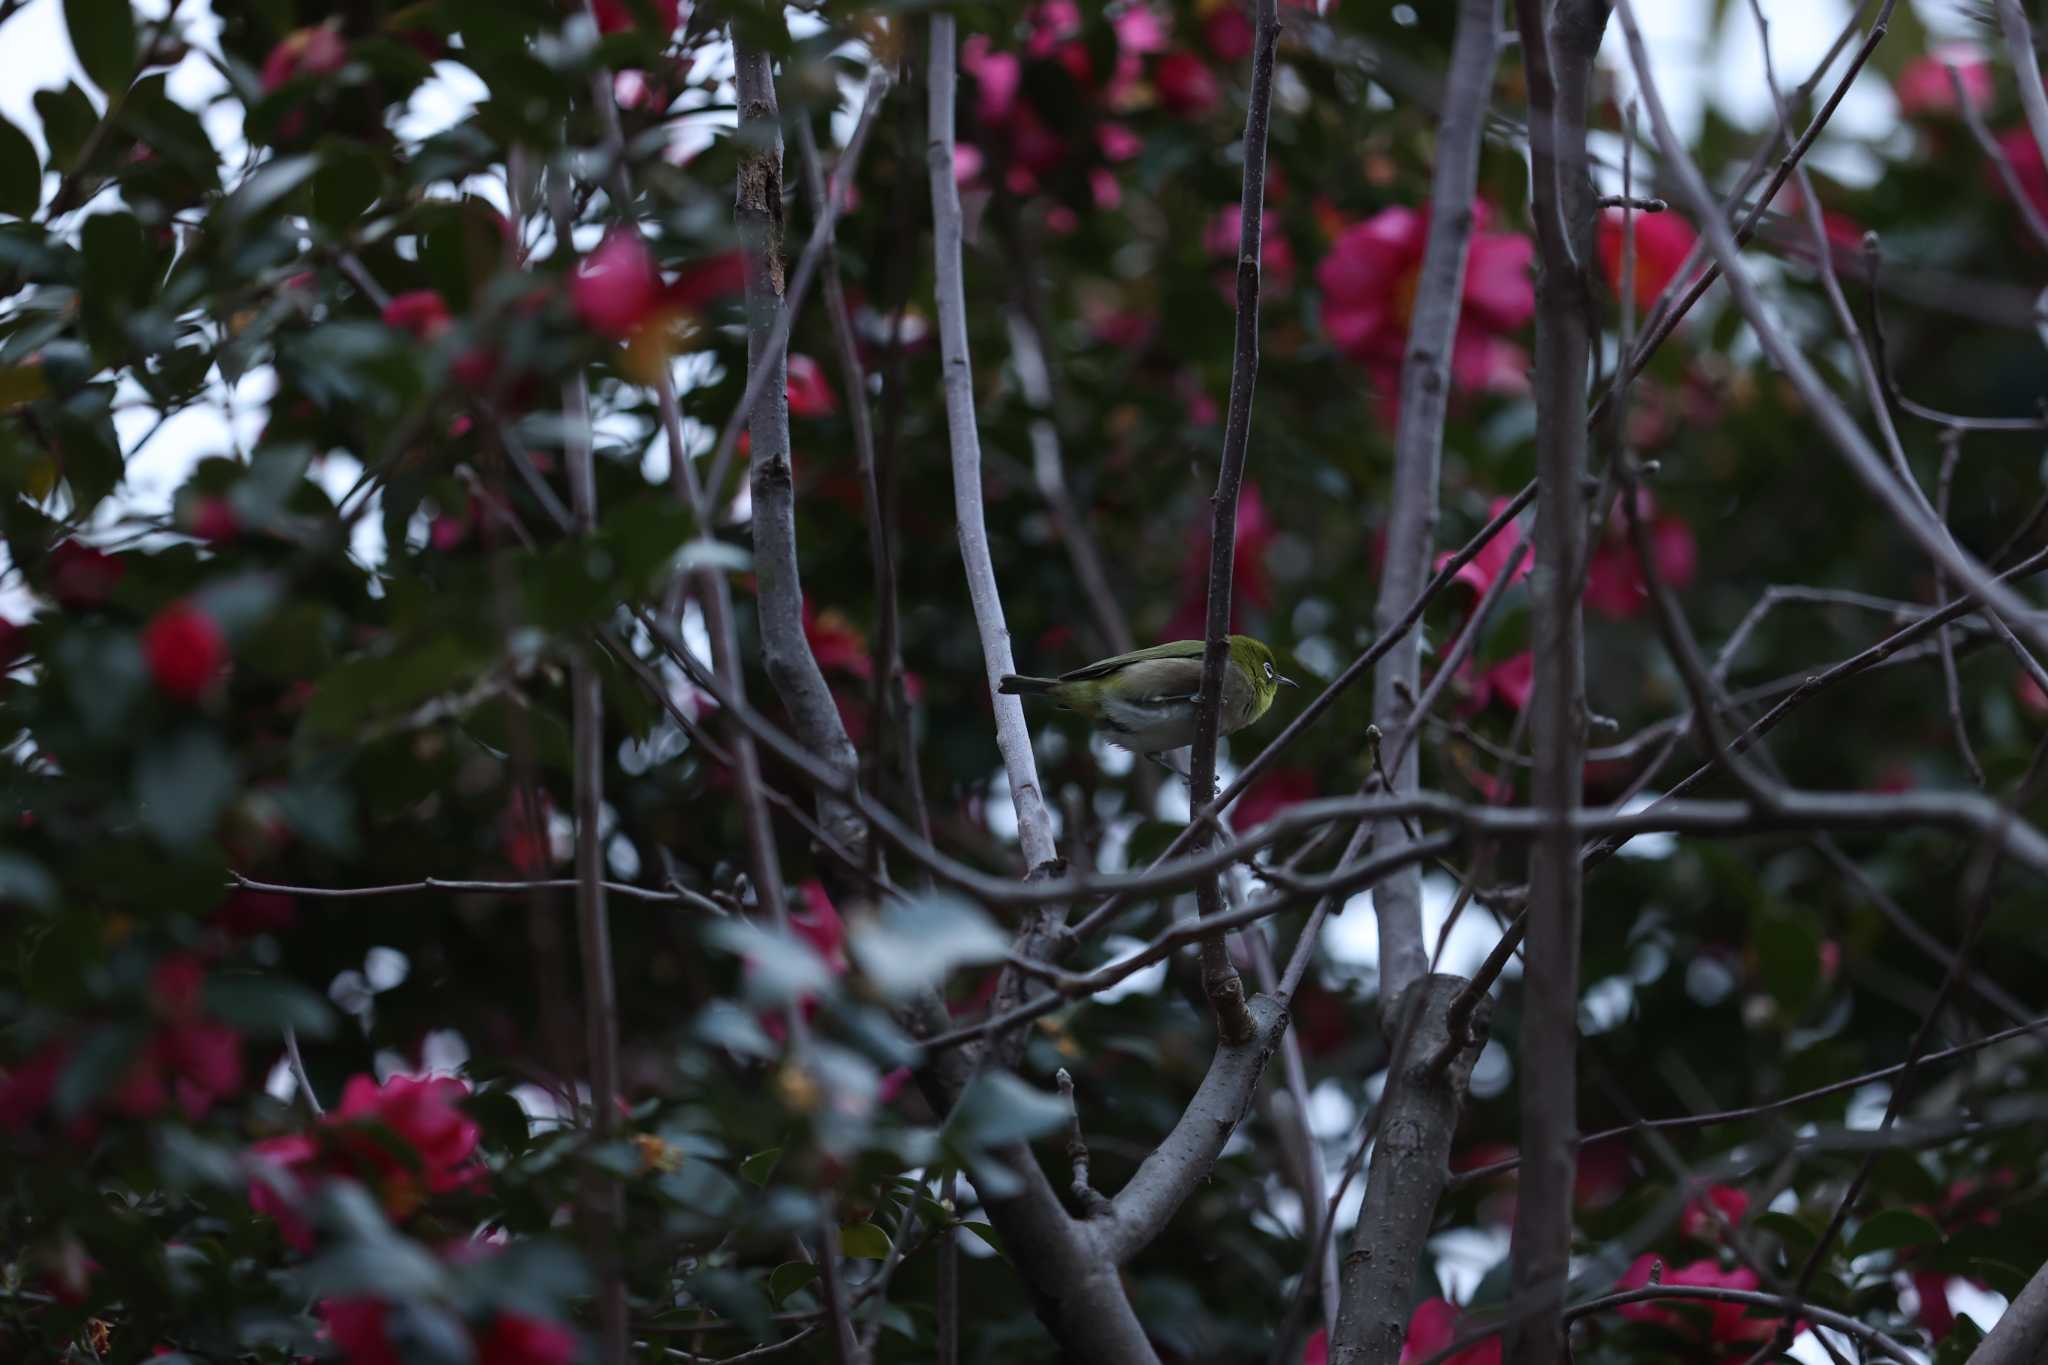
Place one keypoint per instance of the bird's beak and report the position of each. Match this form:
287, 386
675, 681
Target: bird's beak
1287, 682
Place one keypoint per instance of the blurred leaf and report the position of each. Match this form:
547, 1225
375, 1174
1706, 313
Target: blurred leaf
906, 946
756, 1169
24, 881
21, 173
1796, 1235
266, 186
182, 784
68, 120
986, 1233
267, 1005
103, 36
788, 1278
1788, 955
21, 384
94, 1068
1891, 1229
781, 968
997, 1109
864, 1241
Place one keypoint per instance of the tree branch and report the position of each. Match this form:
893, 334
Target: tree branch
2020, 1336
1220, 980
1418, 1116
1418, 456
1559, 63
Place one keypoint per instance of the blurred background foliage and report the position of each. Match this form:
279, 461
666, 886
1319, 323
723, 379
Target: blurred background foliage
340, 660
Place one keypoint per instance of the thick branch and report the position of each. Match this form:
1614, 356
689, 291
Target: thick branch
1559, 63
1183, 1160
2021, 1334
1418, 457
1419, 1114
1219, 978
786, 651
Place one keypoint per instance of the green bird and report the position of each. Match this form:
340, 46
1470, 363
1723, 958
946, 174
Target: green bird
1145, 700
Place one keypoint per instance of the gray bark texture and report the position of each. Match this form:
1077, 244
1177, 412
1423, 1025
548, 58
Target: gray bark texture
1410, 1163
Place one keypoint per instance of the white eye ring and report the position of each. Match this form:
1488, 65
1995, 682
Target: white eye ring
1269, 671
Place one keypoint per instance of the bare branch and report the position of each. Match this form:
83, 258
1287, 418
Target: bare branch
1183, 1159
1418, 456
1034, 821
1092, 1201
1219, 977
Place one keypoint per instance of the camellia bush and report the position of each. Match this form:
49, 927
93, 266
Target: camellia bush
515, 854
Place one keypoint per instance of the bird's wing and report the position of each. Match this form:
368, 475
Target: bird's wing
1102, 668
1159, 679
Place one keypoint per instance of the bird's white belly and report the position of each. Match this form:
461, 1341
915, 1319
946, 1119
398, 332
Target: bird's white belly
1149, 727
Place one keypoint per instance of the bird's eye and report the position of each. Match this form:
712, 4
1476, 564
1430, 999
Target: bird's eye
1269, 671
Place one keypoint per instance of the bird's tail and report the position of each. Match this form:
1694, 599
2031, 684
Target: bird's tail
1018, 686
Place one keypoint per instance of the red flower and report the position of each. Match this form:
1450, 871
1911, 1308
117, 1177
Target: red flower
809, 394
196, 1062
1316, 1350
212, 519
184, 649
1276, 255
616, 288
176, 986
1271, 794
26, 1090
1483, 568
1663, 241
517, 1339
523, 833
1698, 1221
1228, 32
81, 577
709, 280
246, 914
1726, 1323
307, 52
356, 1327
435, 1154
422, 312
819, 925
1931, 1288
1511, 680
11, 647
997, 76
1615, 586
2025, 155
1434, 1326
1369, 280
1186, 85
1924, 89
617, 16
1255, 536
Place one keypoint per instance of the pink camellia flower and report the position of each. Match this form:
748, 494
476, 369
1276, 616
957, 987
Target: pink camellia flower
1141, 29
1433, 1326
1925, 91
1663, 241
616, 288
617, 16
245, 914
422, 314
819, 925
1316, 1350
1727, 1324
1698, 1221
406, 1140
1369, 280
997, 76
81, 577
1228, 32
1253, 586
196, 1062
184, 649
209, 517
1615, 586
1117, 141
1512, 680
1935, 1313
1187, 87
1491, 562
317, 51
356, 1327
1271, 794
521, 1339
809, 394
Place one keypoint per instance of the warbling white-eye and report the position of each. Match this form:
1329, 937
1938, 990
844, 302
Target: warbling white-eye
1145, 700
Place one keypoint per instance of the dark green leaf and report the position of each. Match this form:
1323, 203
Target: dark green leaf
21, 173
267, 1005
1788, 953
68, 120
266, 186
103, 36
1796, 1235
182, 784
863, 1240
987, 1233
788, 1278
998, 1109
1891, 1229
756, 1169
100, 1061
